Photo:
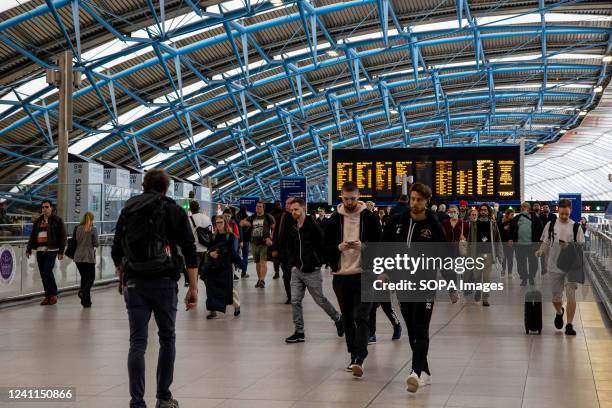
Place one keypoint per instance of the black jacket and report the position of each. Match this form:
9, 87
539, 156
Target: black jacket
546, 219
427, 230
178, 233
304, 245
56, 234
280, 235
369, 231
536, 227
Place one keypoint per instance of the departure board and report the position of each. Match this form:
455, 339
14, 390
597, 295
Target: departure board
364, 172
444, 178
505, 178
402, 168
344, 173
384, 180
423, 172
464, 178
485, 173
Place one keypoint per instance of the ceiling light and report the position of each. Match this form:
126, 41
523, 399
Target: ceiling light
332, 53
582, 113
598, 89
562, 131
540, 145
368, 87
607, 58
394, 111
34, 166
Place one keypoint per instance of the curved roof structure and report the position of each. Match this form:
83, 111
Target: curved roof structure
244, 92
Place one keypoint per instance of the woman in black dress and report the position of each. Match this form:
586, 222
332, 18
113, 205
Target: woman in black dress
218, 273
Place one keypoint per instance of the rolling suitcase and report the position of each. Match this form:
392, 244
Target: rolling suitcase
533, 311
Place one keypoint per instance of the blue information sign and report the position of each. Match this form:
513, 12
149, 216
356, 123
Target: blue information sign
249, 203
292, 187
576, 199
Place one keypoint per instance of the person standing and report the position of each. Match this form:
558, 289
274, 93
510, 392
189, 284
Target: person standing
279, 246
441, 215
455, 230
463, 210
485, 240
545, 217
526, 230
48, 239
348, 230
218, 271
418, 225
229, 216
85, 256
557, 235
150, 228
245, 234
305, 256
505, 231
262, 225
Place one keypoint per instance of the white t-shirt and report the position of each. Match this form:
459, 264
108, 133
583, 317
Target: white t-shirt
563, 231
200, 220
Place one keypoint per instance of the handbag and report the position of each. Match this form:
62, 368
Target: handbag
204, 235
71, 245
463, 244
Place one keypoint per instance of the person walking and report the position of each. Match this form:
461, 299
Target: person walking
545, 217
505, 231
85, 256
150, 228
197, 220
418, 225
526, 230
305, 257
245, 234
218, 271
48, 239
279, 246
262, 225
348, 229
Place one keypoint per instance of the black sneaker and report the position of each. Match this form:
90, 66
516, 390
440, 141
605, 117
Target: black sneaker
288, 301
262, 284
211, 316
569, 330
485, 303
237, 312
339, 328
357, 367
236, 277
170, 403
559, 319
244, 275
258, 284
276, 276
523, 282
295, 338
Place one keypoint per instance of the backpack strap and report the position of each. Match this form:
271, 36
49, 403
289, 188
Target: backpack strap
192, 221
576, 226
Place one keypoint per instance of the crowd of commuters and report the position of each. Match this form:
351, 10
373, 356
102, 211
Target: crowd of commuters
156, 241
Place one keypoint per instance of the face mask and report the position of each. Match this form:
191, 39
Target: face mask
454, 216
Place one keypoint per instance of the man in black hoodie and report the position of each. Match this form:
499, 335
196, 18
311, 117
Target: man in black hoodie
526, 230
418, 225
279, 246
304, 258
348, 231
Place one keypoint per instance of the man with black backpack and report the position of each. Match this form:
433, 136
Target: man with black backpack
149, 230
562, 240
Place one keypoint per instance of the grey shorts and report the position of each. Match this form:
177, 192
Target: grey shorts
260, 252
559, 283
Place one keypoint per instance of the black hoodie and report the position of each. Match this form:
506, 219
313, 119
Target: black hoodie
304, 245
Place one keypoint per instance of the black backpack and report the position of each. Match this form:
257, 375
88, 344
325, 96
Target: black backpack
571, 258
145, 245
204, 235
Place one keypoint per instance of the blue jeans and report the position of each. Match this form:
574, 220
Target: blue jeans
143, 297
46, 262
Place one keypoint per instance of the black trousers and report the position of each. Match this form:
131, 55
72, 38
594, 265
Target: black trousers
143, 297
87, 271
355, 314
508, 263
46, 262
387, 307
286, 279
525, 256
417, 316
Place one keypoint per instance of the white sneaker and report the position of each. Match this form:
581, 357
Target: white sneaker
425, 379
413, 382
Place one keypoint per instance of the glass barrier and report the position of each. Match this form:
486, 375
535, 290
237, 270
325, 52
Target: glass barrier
599, 242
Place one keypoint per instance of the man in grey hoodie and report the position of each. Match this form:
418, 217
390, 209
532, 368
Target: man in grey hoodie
346, 234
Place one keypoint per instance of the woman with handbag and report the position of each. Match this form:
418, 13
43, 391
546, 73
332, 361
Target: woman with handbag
218, 273
199, 224
86, 237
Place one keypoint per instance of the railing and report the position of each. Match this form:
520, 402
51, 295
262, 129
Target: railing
600, 262
21, 231
20, 277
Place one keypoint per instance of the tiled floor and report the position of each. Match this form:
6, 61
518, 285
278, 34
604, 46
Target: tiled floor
479, 357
